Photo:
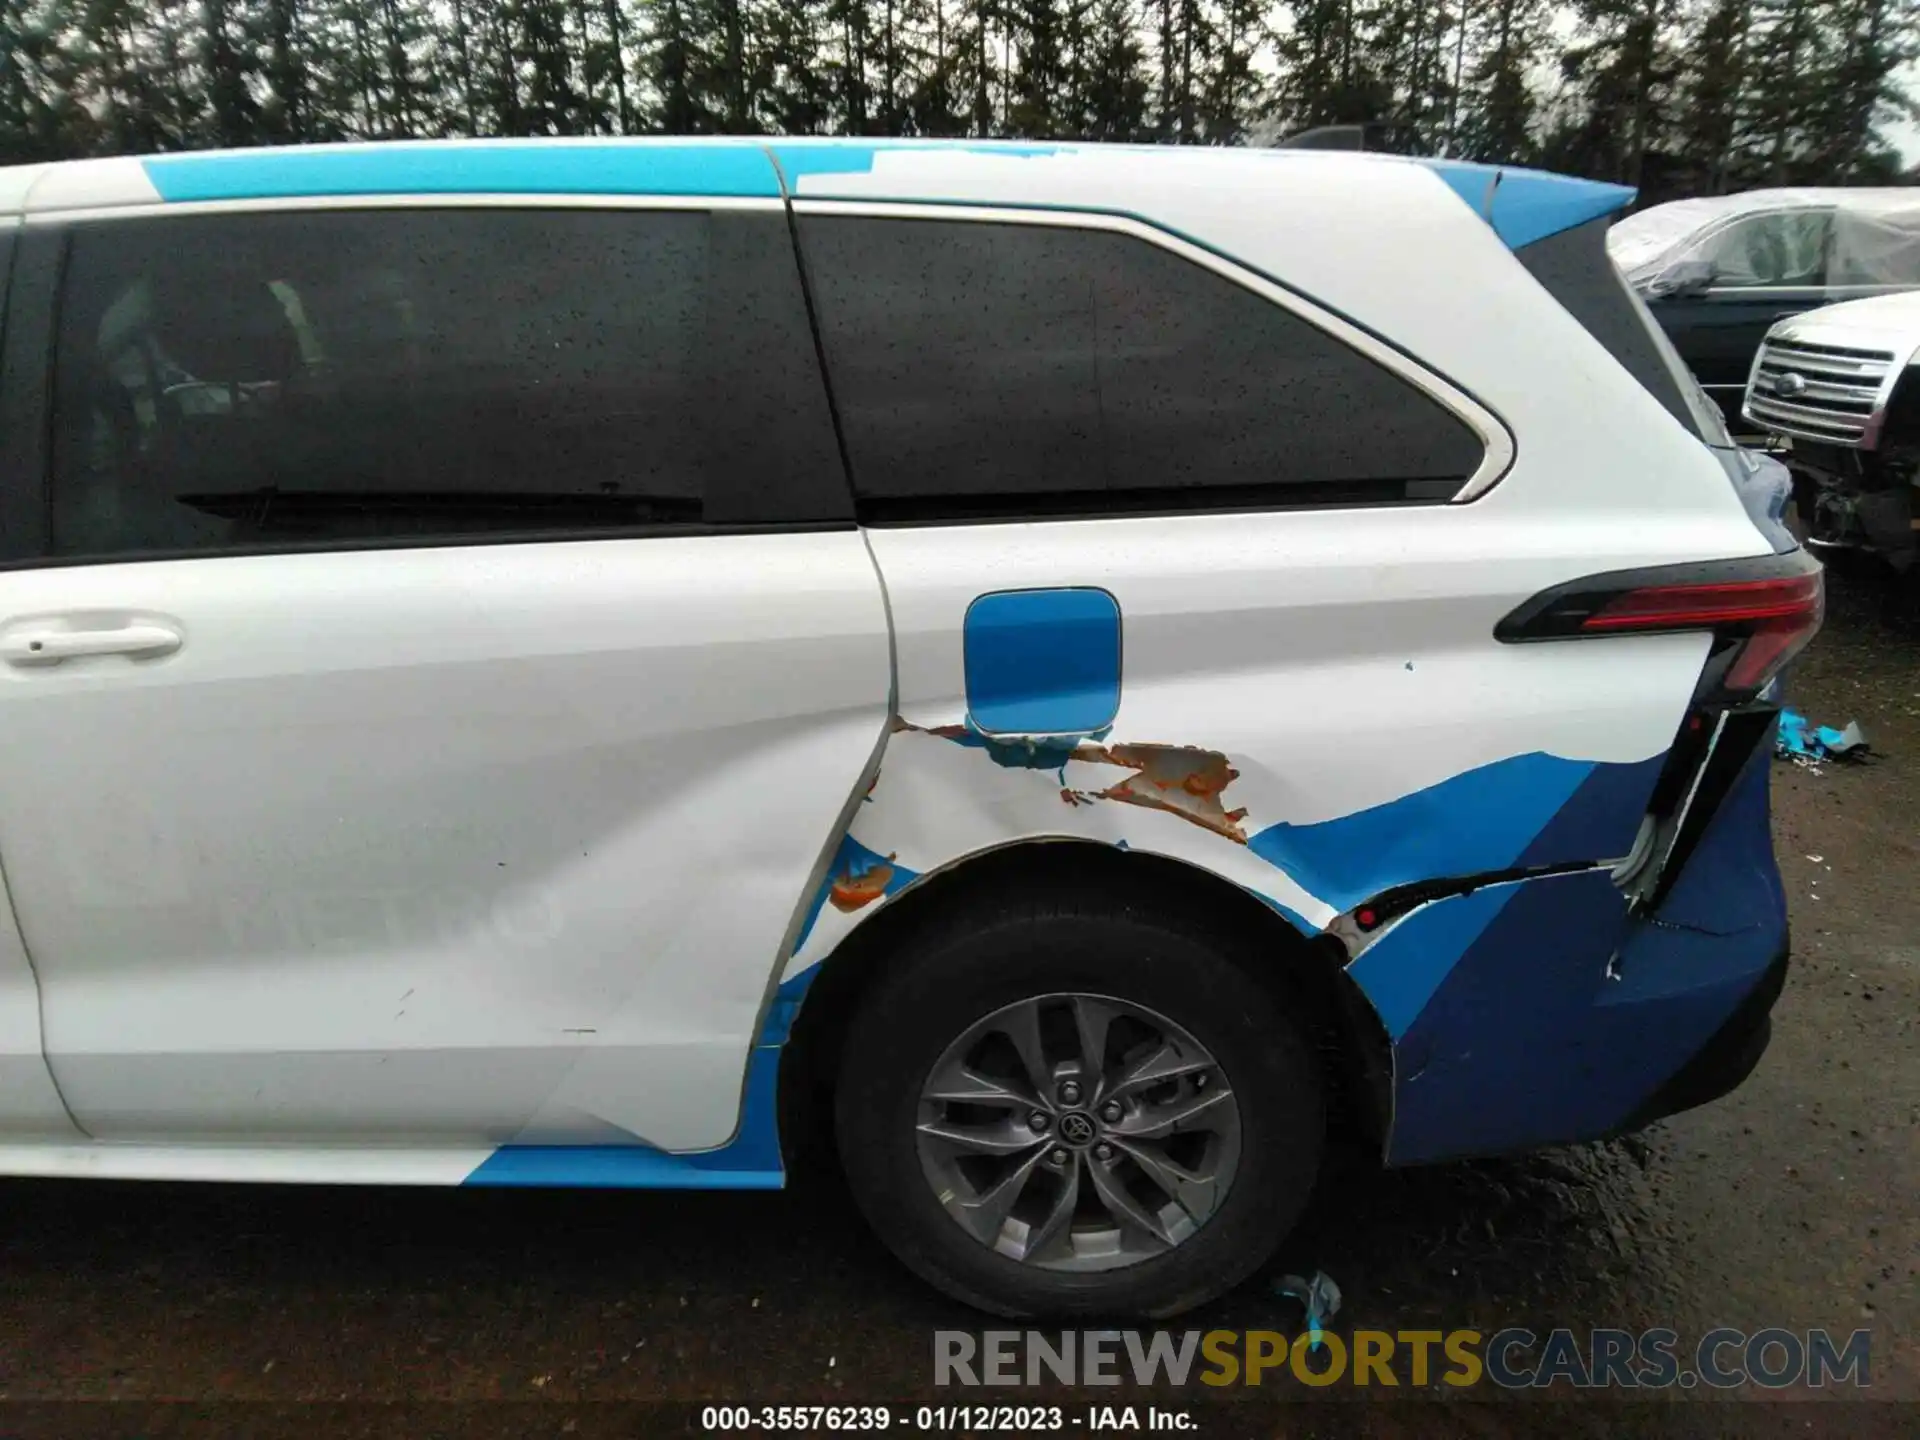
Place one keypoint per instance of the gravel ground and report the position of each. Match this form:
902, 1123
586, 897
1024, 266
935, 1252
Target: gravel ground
1791, 1203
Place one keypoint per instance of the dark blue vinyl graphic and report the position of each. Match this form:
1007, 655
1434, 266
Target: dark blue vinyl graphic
1043, 662
1561, 1016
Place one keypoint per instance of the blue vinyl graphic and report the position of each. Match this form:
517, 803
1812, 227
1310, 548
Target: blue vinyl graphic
545, 168
1469, 824
1523, 206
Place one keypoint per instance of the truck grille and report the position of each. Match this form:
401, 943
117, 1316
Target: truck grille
1819, 392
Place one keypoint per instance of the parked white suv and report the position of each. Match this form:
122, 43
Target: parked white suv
1835, 383
1083, 669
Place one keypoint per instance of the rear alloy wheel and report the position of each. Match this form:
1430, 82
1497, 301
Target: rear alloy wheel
1066, 1113
1078, 1132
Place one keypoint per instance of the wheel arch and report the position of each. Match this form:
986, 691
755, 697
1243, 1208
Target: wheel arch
1356, 1053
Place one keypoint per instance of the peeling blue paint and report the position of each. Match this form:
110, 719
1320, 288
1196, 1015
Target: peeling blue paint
1469, 824
437, 168
778, 1026
850, 861
1023, 752
853, 157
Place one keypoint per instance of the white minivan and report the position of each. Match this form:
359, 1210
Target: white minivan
1087, 670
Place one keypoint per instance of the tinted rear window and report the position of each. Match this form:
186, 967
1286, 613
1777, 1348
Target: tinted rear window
1004, 369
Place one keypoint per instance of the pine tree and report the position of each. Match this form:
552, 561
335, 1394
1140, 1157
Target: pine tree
551, 103
1623, 69
976, 68
1876, 39
793, 94
718, 72
1038, 83
1497, 114
288, 60
41, 117
849, 63
1791, 53
233, 115
1713, 87
1327, 76
1111, 103
1230, 94
670, 67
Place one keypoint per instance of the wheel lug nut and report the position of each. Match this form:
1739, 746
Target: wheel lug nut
1070, 1092
1110, 1112
1038, 1121
1103, 1151
1057, 1159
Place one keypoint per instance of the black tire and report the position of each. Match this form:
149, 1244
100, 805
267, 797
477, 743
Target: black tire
953, 974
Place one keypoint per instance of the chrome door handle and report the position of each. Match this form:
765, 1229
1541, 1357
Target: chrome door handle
47, 643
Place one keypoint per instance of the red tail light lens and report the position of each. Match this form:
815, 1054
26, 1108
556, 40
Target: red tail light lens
1764, 611
1776, 617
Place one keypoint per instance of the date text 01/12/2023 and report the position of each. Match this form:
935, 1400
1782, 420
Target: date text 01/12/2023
1012, 1419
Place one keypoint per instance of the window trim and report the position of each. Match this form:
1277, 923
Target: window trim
1498, 445
163, 209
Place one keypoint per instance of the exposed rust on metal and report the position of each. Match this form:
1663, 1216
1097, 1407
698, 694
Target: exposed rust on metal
849, 892
1181, 779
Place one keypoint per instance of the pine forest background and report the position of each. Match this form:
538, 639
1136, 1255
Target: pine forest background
1676, 96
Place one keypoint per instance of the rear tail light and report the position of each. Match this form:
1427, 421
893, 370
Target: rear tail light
1761, 611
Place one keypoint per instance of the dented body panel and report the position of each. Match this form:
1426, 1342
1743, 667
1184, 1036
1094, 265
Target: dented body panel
1339, 734
704, 761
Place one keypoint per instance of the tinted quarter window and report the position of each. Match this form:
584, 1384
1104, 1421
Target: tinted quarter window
988, 368
339, 376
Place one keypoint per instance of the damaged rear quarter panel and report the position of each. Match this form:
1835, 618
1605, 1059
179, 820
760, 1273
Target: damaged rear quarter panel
1288, 723
1561, 1014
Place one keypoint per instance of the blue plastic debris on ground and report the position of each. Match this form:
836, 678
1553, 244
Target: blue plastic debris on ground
1320, 1296
1805, 743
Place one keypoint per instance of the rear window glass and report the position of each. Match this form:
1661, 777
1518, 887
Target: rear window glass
991, 368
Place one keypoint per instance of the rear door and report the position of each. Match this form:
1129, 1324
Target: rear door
439, 665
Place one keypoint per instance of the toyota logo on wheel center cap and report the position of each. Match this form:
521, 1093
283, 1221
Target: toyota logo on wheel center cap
1076, 1127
